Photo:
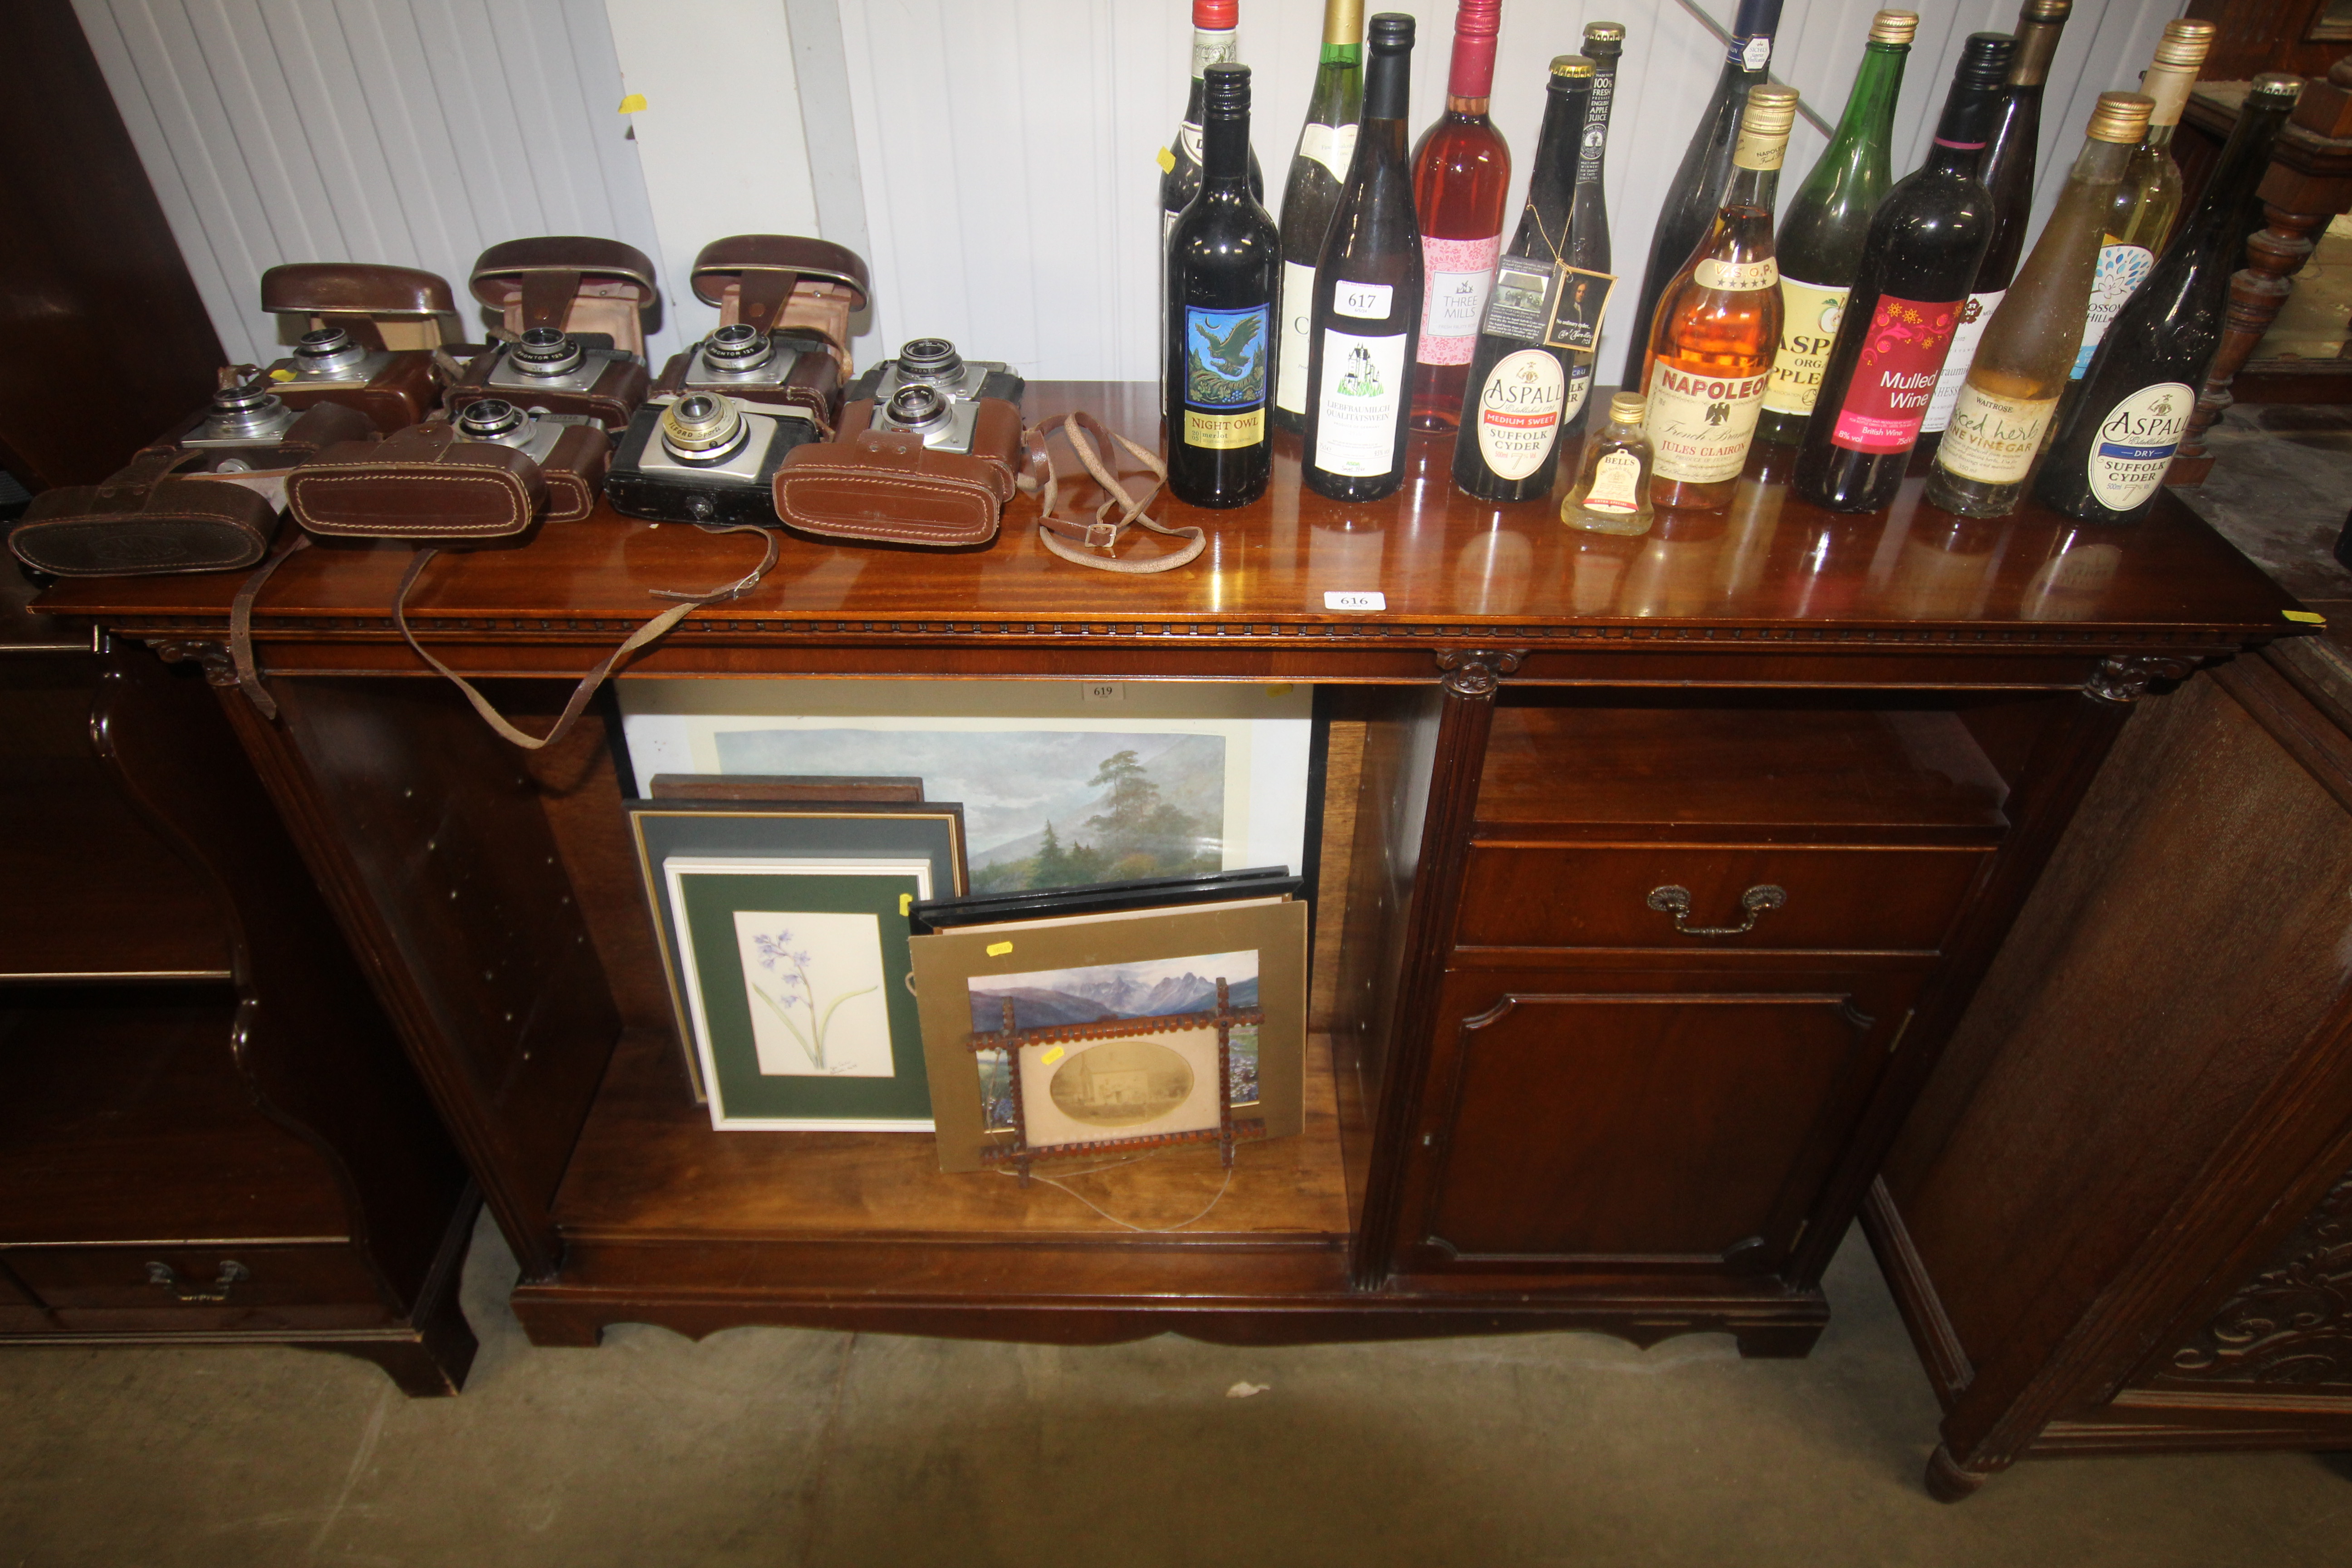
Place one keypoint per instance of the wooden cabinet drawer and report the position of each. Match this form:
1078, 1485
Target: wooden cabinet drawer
1838, 899
1647, 1122
127, 1287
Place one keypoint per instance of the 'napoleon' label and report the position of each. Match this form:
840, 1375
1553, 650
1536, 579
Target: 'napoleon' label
1700, 424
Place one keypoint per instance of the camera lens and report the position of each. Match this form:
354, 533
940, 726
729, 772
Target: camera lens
931, 359
703, 429
738, 348
544, 350
491, 419
249, 408
919, 408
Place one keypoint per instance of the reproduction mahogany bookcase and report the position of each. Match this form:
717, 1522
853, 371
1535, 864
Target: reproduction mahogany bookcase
1654, 873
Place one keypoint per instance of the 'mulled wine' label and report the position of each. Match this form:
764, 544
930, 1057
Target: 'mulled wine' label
1368, 301
1700, 424
1359, 404
1224, 376
1737, 276
2136, 443
1975, 311
1992, 439
1894, 380
1519, 411
1298, 336
2122, 269
1454, 296
1333, 146
1808, 324
1616, 485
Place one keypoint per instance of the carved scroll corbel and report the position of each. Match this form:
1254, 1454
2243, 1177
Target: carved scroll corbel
2125, 679
219, 670
1475, 673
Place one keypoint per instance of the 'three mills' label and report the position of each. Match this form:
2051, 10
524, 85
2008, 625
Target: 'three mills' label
1519, 411
1359, 403
1224, 376
1992, 439
2136, 443
1457, 273
1298, 336
1902, 350
1808, 324
2122, 269
1976, 310
1700, 424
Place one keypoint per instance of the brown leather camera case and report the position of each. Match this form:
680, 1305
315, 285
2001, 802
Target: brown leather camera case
885, 487
812, 389
319, 427
574, 283
426, 486
141, 522
783, 283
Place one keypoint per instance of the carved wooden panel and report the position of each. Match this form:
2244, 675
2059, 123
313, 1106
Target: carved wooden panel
2290, 1323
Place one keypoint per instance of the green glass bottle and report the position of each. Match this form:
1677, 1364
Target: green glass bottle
1821, 241
1327, 145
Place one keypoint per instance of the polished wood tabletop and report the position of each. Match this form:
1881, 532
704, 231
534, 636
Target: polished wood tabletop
1770, 568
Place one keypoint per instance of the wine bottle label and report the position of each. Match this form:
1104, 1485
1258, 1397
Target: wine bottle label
1975, 311
1359, 404
1298, 337
1808, 324
1754, 151
2136, 443
1333, 146
1369, 301
1903, 352
1519, 411
1224, 376
1700, 424
1751, 54
1188, 137
1213, 47
1616, 485
2122, 269
1458, 273
1594, 143
1992, 439
1737, 276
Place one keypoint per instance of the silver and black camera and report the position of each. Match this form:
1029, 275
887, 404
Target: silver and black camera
246, 414
543, 360
329, 356
531, 434
702, 458
784, 372
944, 423
934, 362
742, 356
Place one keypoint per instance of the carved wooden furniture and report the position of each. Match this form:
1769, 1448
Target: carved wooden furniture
2309, 181
2120, 1220
1575, 1064
207, 1129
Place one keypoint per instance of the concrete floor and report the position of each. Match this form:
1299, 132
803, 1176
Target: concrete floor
771, 1446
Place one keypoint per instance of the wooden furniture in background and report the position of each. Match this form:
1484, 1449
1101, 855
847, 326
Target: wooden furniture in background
2252, 37
1664, 866
208, 1132
2120, 1220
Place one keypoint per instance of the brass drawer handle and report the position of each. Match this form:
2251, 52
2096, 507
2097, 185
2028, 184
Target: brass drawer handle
232, 1273
1677, 901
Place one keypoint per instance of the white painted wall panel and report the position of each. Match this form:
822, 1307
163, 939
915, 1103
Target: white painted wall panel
411, 132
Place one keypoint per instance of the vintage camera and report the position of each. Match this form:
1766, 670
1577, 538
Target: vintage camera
572, 310
244, 414
372, 330
944, 423
934, 362
791, 371
532, 434
702, 458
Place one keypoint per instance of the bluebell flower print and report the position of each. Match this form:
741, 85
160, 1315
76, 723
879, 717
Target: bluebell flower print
799, 991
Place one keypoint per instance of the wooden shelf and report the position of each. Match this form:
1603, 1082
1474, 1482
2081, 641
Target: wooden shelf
651, 1168
101, 1094
1557, 769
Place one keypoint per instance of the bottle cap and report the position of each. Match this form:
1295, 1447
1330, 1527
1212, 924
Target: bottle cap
2044, 10
2276, 88
1603, 33
1343, 22
1476, 23
2185, 43
1391, 33
1893, 27
1985, 61
2121, 117
1225, 90
1572, 66
1772, 110
1216, 16
1628, 407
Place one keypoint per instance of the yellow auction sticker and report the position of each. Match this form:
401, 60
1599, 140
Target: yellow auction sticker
1052, 1054
998, 949
2308, 617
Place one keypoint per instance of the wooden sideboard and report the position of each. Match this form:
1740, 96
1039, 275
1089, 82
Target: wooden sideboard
1534, 1102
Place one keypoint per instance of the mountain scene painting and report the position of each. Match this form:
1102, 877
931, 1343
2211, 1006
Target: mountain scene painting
1043, 808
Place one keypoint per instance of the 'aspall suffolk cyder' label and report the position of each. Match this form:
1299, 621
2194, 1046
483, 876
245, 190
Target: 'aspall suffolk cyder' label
2137, 440
1700, 426
1519, 410
1894, 381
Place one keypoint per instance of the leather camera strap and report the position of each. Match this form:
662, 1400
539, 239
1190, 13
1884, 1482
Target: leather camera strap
241, 626
1104, 533
548, 298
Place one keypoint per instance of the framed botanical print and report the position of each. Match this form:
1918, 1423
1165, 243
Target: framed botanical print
784, 939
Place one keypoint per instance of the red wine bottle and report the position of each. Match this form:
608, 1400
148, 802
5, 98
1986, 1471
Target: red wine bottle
1224, 263
1367, 295
1925, 243
1215, 39
1461, 181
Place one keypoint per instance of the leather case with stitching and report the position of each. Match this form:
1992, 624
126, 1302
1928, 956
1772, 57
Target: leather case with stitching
885, 487
421, 485
594, 290
313, 431
575, 471
143, 522
395, 312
